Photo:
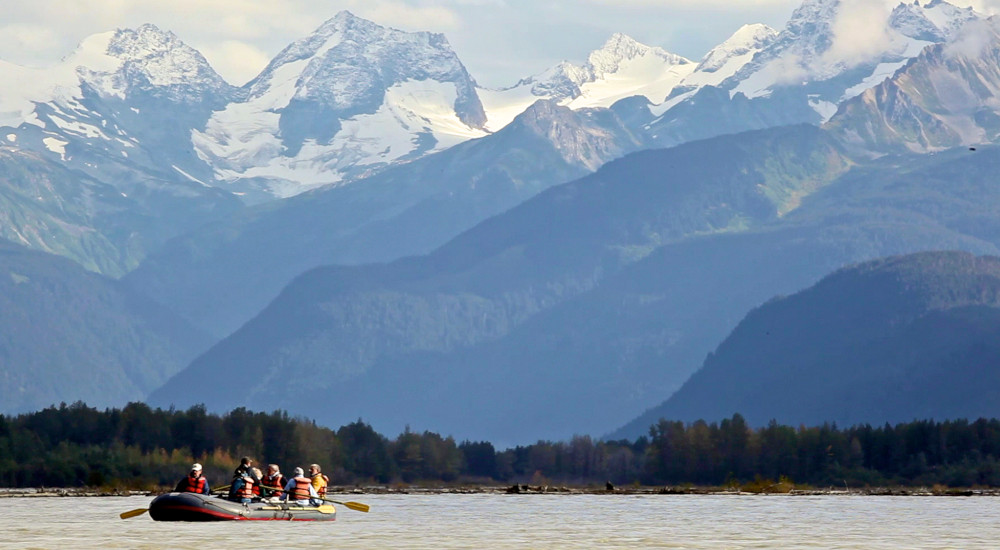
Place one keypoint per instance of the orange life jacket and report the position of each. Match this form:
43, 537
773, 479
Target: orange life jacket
247, 490
277, 480
301, 490
195, 484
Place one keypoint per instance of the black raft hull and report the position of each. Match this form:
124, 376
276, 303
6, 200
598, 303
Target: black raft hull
195, 507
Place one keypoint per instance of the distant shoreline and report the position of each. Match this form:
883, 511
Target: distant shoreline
40, 492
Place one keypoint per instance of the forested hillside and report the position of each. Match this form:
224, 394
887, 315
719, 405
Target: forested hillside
65, 331
895, 339
75, 446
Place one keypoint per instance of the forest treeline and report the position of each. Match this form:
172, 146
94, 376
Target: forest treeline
140, 447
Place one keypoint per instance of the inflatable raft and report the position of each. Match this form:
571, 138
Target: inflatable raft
196, 507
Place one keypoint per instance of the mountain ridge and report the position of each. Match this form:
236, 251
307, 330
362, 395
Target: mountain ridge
826, 363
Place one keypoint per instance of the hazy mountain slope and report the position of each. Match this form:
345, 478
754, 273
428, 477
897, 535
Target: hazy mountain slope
69, 335
333, 324
438, 335
109, 229
893, 340
221, 276
590, 363
903, 205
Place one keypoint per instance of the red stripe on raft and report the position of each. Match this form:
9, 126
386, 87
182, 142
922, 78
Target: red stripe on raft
287, 519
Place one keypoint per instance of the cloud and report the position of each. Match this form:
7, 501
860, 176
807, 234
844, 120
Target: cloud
237, 62
860, 32
500, 41
38, 42
788, 70
975, 38
983, 6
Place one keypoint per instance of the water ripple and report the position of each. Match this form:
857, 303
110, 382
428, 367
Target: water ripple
443, 522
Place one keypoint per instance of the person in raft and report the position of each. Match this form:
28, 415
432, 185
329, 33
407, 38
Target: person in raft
194, 482
299, 490
244, 478
319, 480
248, 483
273, 478
259, 476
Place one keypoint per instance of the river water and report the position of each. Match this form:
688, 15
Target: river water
449, 521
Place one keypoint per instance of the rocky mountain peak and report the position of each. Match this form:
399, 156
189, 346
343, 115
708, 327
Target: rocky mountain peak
620, 48
944, 98
912, 21
345, 101
576, 134
561, 81
839, 48
566, 80
146, 59
936, 21
813, 17
749, 38
343, 26
349, 62
144, 42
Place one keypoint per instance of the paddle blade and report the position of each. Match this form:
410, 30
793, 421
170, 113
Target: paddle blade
357, 506
133, 513
326, 509
352, 505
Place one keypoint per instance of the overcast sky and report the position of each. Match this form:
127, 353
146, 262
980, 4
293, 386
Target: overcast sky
499, 41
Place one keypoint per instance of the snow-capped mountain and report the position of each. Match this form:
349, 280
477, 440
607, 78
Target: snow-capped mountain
119, 64
143, 113
835, 49
348, 99
829, 52
112, 120
721, 63
946, 97
621, 68
937, 21
127, 95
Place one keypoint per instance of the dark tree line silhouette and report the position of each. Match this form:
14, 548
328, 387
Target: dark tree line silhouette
140, 447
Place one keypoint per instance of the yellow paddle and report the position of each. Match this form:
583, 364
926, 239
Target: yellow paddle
352, 505
133, 513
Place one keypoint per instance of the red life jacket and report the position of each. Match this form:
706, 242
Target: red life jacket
195, 484
277, 481
301, 490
